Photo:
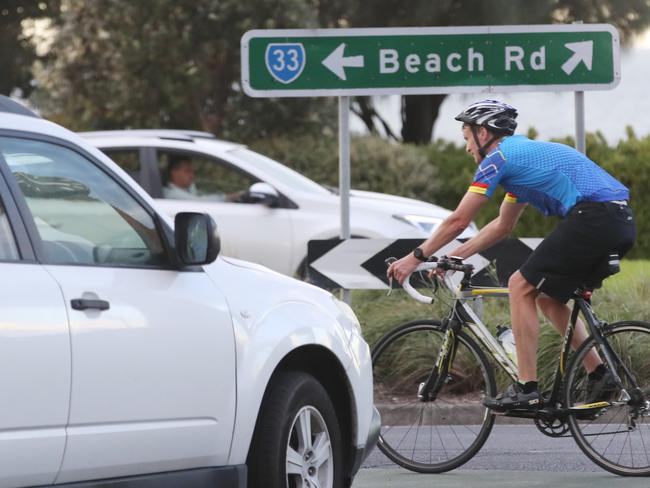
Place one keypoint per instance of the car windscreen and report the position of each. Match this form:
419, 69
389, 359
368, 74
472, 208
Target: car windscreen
279, 171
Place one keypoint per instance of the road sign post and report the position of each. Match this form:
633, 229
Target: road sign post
579, 102
344, 174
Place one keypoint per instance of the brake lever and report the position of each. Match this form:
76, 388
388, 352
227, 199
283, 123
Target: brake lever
388, 262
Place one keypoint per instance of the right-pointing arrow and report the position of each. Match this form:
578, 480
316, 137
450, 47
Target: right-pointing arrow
582, 52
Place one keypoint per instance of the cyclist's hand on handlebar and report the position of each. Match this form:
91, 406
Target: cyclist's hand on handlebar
454, 263
437, 273
402, 268
441, 270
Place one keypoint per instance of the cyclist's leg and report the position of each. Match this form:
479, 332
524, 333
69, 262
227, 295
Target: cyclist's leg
565, 258
559, 314
525, 325
554, 269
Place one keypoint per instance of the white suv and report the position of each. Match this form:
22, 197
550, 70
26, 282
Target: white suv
127, 352
265, 211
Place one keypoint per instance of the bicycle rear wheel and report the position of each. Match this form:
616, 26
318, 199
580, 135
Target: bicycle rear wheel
617, 438
430, 436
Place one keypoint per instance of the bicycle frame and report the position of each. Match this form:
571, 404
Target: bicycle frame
611, 358
463, 295
462, 309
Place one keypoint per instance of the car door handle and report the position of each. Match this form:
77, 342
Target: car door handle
85, 304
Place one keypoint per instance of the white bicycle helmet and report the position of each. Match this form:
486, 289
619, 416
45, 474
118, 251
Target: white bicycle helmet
496, 116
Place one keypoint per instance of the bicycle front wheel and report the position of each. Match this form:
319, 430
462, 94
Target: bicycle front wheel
617, 438
430, 436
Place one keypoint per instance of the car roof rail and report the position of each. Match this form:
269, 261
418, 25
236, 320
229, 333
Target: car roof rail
181, 135
10, 106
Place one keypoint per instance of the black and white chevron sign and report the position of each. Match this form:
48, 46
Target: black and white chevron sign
360, 263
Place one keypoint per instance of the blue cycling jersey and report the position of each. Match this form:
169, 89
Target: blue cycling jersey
551, 177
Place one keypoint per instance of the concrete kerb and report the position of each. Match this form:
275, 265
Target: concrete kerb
443, 414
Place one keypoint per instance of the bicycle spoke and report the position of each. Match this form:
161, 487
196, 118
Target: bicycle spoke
404, 437
415, 443
431, 439
643, 446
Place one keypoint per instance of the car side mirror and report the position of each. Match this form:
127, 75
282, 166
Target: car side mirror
261, 192
197, 240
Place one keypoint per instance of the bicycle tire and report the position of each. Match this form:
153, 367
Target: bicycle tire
606, 437
456, 422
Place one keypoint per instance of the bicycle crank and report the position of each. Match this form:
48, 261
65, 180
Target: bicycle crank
552, 426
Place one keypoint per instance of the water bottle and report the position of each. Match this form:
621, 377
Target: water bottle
507, 340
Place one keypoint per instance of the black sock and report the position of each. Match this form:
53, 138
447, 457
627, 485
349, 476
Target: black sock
528, 387
598, 373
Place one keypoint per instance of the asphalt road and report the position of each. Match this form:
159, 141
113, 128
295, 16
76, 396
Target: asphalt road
393, 478
513, 456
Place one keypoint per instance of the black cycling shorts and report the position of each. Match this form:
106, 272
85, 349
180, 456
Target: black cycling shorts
575, 253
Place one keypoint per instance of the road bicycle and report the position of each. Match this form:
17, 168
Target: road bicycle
432, 375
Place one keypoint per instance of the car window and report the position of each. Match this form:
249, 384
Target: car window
8, 247
191, 176
81, 213
127, 159
279, 171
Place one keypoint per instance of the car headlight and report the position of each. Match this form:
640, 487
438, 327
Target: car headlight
348, 313
425, 224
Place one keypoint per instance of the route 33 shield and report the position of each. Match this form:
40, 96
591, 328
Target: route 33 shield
285, 61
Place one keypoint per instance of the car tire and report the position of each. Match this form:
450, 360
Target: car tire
297, 436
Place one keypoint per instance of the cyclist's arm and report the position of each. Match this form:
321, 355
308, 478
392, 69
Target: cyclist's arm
456, 223
497, 230
448, 230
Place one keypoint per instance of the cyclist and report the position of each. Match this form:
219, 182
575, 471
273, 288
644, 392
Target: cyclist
557, 180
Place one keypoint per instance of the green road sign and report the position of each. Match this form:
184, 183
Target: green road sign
343, 62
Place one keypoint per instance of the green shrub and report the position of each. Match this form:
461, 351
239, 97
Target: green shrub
399, 169
455, 170
375, 164
629, 161
315, 157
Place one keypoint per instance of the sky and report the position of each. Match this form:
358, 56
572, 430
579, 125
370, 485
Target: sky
552, 114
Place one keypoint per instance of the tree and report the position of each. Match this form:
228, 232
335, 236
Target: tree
168, 63
419, 112
175, 63
17, 52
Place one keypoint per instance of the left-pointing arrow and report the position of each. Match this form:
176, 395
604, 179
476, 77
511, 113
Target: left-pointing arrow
343, 263
336, 62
